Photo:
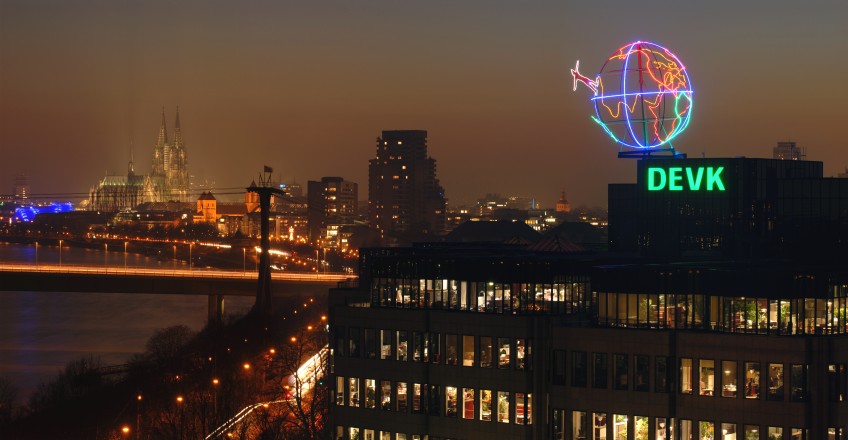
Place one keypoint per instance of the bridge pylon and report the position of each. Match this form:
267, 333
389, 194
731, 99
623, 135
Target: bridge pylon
265, 190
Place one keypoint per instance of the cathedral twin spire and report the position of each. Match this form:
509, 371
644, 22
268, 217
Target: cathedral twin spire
169, 162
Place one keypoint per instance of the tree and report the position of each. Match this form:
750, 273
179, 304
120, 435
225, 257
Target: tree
298, 371
8, 395
165, 348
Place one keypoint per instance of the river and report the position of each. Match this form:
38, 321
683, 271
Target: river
40, 332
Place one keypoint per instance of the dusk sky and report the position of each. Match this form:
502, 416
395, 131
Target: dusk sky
306, 87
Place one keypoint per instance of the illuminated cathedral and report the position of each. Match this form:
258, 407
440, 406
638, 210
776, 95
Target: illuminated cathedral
167, 182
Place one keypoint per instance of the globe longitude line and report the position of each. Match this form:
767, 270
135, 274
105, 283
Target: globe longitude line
624, 92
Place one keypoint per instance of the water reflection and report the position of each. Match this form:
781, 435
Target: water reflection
41, 331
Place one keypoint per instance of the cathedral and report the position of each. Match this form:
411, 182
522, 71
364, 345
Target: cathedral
167, 181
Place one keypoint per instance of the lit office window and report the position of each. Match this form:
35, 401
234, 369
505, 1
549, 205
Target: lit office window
486, 405
468, 350
752, 432
385, 394
706, 377
619, 426
685, 376
450, 401
522, 352
752, 380
706, 430
775, 382
728, 430
665, 427
503, 353
728, 378
599, 426
775, 432
579, 425
370, 393
402, 401
402, 345
353, 393
468, 403
385, 344
503, 407
520, 408
416, 398
685, 429
340, 387
640, 428
417, 346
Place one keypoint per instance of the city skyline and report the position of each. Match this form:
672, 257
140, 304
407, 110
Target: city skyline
275, 83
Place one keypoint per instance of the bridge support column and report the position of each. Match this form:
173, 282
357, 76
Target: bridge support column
216, 308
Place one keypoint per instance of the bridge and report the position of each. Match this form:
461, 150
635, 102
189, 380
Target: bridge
215, 284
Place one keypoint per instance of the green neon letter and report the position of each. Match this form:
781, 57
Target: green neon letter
652, 181
673, 177
695, 181
714, 178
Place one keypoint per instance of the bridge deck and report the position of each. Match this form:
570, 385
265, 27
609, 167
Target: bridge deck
66, 278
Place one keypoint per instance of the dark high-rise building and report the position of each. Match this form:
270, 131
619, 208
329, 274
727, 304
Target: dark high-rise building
405, 199
21, 188
331, 200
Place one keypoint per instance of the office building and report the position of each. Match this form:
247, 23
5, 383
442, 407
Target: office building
789, 151
331, 201
532, 341
405, 200
20, 191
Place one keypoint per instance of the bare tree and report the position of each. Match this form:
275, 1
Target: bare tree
295, 386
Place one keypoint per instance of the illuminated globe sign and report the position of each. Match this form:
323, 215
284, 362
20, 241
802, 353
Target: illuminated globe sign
642, 96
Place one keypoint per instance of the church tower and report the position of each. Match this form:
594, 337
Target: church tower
176, 169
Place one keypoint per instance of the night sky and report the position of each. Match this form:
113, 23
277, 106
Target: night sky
306, 87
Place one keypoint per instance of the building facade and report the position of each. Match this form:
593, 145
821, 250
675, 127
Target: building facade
405, 199
331, 201
473, 341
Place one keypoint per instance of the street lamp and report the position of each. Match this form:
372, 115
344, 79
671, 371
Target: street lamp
60, 253
189, 255
244, 261
106, 255
175, 258
125, 254
36, 254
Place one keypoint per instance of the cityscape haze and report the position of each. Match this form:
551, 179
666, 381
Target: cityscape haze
278, 81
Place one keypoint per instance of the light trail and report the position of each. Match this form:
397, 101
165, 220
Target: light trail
309, 372
182, 273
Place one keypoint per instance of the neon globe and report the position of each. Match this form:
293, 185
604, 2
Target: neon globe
642, 96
